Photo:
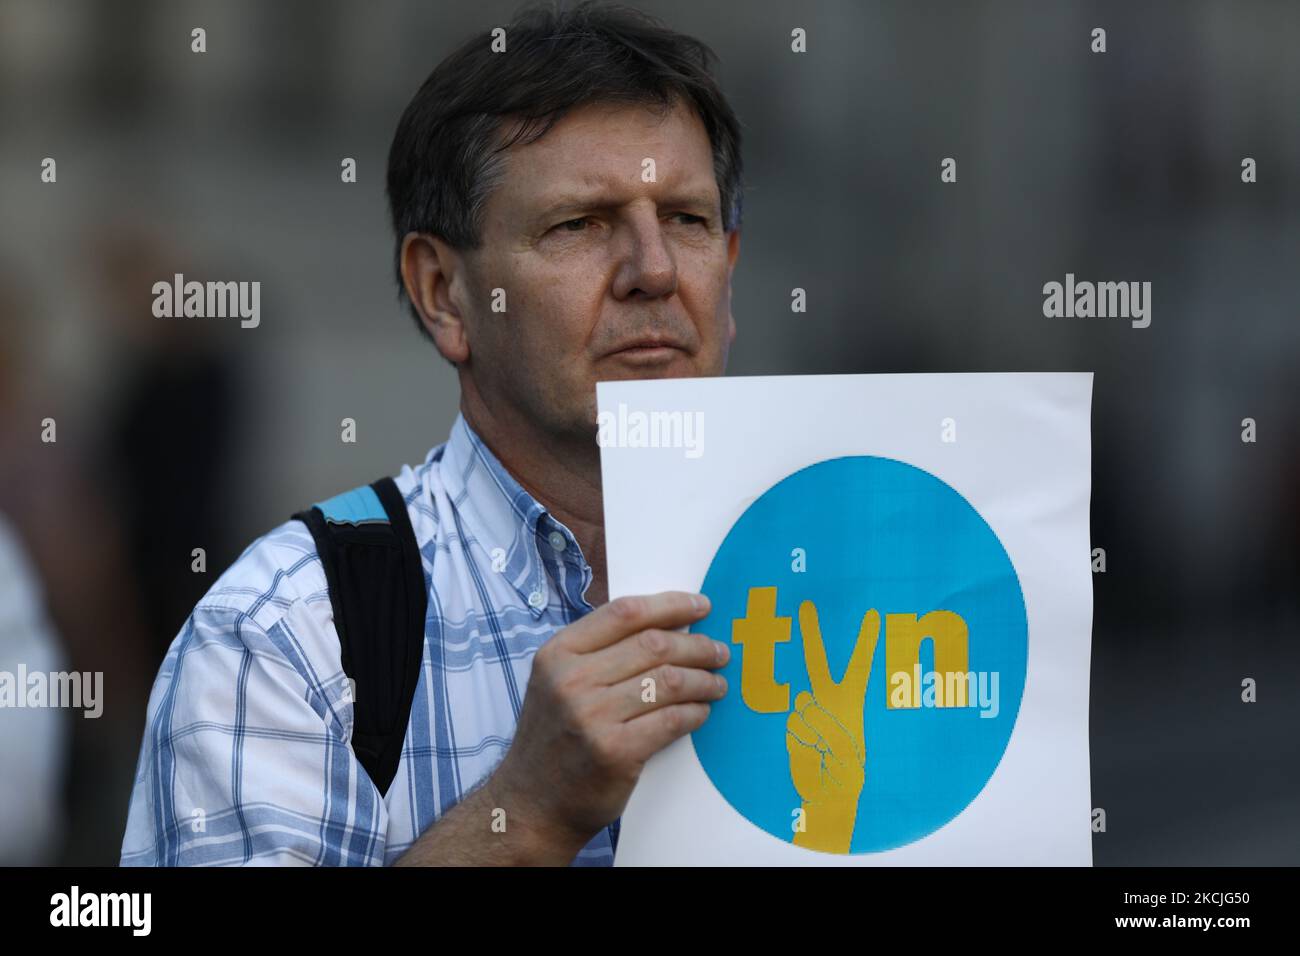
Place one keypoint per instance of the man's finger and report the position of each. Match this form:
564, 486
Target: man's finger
662, 687
614, 621
652, 732
645, 650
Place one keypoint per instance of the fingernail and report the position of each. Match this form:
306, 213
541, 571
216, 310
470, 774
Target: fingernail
721, 651
700, 601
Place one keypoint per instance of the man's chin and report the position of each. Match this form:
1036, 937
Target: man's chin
633, 364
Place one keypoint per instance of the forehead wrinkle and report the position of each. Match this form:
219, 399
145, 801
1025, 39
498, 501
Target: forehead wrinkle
606, 193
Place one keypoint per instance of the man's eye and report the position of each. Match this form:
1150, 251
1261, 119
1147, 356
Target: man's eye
573, 225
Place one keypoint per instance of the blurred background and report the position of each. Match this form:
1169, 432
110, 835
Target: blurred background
1126, 165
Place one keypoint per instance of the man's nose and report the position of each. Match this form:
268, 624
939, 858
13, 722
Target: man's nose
647, 268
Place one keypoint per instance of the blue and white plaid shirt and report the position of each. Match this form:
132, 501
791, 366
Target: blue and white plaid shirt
245, 758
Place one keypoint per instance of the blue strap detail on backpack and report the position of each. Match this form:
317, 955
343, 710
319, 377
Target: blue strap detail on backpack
356, 506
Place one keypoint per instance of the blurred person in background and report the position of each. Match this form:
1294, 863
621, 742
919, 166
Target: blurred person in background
53, 495
33, 740
169, 429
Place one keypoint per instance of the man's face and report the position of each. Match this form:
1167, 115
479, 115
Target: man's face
606, 276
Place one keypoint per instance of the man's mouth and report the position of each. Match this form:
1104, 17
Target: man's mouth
649, 351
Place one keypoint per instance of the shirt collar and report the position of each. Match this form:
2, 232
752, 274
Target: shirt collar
506, 521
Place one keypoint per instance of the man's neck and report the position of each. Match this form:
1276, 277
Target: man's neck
563, 474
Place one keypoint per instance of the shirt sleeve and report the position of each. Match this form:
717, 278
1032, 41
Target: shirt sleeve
246, 757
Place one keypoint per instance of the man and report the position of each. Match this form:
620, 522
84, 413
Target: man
588, 178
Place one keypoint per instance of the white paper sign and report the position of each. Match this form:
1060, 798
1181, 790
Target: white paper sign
901, 567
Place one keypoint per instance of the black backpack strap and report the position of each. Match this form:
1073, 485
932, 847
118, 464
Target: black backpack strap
376, 582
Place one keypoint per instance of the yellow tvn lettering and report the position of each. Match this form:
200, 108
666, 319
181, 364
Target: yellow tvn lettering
903, 636
760, 630
758, 633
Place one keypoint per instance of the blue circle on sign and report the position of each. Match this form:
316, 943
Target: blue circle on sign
791, 745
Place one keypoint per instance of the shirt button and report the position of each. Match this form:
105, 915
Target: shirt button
557, 541
537, 599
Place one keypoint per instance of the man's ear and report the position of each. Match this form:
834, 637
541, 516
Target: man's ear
733, 253
430, 269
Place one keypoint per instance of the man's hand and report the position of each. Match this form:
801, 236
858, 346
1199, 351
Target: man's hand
605, 694
590, 721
